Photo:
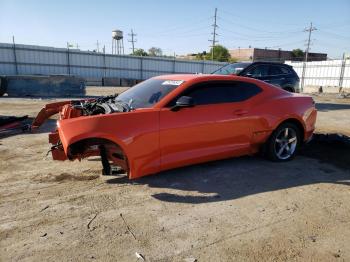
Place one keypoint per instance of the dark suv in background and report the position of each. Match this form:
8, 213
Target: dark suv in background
281, 75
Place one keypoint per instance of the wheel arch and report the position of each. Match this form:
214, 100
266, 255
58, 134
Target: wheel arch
289, 88
90, 147
297, 123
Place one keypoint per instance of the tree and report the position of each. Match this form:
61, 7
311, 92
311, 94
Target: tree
140, 52
298, 54
201, 56
155, 51
220, 54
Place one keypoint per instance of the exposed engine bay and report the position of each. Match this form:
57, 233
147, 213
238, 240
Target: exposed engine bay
86, 148
102, 105
87, 107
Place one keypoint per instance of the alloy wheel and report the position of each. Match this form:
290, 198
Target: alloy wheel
285, 143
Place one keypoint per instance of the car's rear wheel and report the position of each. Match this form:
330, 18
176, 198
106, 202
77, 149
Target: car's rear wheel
283, 143
289, 89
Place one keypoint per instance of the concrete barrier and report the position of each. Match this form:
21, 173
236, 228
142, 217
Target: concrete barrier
111, 81
127, 82
93, 81
322, 89
2, 87
44, 86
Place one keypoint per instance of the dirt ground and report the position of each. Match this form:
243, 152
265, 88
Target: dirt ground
240, 209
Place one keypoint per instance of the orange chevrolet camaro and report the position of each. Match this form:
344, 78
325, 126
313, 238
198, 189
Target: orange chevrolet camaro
177, 120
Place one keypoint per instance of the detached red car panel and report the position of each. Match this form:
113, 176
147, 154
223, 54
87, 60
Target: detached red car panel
176, 120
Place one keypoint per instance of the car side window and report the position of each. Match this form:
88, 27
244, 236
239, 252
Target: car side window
258, 71
220, 92
285, 70
276, 70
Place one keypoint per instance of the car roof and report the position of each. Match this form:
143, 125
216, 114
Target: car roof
270, 63
188, 77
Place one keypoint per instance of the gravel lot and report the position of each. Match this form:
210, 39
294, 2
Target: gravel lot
237, 209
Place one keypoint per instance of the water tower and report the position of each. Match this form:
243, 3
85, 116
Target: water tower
117, 42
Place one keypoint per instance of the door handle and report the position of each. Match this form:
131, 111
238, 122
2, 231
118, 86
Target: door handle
240, 112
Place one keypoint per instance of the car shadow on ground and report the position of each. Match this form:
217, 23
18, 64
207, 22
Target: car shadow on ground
324, 107
239, 177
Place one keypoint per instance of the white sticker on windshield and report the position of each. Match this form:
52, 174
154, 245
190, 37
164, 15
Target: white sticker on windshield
173, 82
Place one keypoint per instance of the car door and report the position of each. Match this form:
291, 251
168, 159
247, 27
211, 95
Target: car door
260, 72
218, 126
276, 76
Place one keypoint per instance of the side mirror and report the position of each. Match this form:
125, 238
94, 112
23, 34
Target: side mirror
183, 101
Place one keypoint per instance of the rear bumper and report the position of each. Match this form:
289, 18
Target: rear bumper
309, 137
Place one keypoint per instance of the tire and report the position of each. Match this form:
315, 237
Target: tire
284, 142
289, 89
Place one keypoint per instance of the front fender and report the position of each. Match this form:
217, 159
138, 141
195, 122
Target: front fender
136, 133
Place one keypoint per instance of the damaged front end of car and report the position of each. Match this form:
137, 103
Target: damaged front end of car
111, 154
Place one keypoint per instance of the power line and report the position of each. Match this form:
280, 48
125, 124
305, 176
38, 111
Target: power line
179, 34
170, 30
343, 37
258, 38
214, 41
132, 40
261, 31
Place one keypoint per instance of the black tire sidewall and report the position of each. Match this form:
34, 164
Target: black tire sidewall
270, 147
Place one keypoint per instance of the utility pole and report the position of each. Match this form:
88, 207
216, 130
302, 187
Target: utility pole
132, 40
214, 41
68, 58
98, 46
309, 30
14, 54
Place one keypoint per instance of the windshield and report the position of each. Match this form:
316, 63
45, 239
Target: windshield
148, 92
230, 69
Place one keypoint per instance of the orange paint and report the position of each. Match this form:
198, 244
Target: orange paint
156, 139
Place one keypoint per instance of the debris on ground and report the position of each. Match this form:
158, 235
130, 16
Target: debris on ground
88, 225
46, 207
127, 226
11, 125
190, 259
140, 256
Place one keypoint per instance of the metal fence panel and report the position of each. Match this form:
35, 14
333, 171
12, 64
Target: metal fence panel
333, 73
346, 76
29, 59
186, 67
211, 67
157, 65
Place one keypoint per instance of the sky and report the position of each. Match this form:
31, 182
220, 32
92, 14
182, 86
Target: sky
180, 26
